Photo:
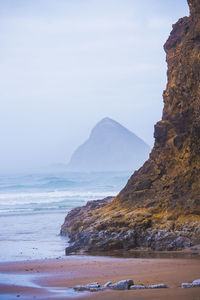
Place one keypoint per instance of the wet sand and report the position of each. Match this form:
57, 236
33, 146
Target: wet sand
54, 279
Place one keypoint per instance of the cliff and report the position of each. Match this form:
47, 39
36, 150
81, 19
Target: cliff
110, 147
170, 178
159, 207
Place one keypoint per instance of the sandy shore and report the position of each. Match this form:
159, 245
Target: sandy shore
54, 279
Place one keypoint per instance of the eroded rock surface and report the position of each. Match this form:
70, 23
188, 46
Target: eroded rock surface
159, 208
126, 284
195, 283
122, 285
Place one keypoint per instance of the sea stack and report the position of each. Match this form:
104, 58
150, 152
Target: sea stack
159, 208
110, 147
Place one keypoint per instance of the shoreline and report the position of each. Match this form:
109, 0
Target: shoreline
191, 252
55, 278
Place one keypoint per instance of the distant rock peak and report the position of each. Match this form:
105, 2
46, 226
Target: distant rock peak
108, 122
110, 147
110, 125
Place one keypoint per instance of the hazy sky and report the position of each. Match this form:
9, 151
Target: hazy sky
66, 64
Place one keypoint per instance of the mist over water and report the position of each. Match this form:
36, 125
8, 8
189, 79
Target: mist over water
33, 208
65, 65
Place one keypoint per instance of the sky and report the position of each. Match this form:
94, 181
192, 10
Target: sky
66, 64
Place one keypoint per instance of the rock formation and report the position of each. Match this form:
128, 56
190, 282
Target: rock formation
110, 147
159, 207
126, 284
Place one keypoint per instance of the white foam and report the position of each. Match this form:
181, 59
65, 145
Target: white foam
48, 197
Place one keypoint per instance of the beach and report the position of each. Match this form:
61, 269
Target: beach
55, 278
33, 264
121, 218
33, 207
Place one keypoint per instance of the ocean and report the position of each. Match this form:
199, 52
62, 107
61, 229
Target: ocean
33, 207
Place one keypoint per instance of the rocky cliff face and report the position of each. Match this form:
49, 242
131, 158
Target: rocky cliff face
160, 205
170, 178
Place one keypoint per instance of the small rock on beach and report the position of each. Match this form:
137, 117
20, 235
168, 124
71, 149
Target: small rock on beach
137, 287
94, 286
122, 285
157, 286
195, 283
126, 284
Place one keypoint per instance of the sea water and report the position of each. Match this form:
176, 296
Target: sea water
33, 207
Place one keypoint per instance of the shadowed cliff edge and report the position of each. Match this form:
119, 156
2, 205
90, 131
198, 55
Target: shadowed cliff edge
159, 208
